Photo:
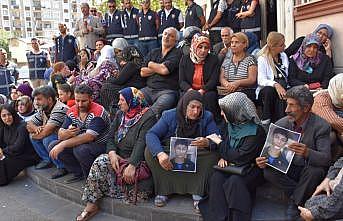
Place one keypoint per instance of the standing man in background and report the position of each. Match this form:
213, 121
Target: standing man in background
88, 28
194, 15
38, 61
112, 21
129, 23
66, 46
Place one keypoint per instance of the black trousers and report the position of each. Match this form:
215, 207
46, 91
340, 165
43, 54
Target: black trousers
273, 107
299, 183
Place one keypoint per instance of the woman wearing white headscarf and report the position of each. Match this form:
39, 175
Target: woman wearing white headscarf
328, 104
106, 66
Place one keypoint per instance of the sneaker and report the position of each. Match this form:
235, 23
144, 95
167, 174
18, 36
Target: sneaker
160, 200
59, 173
43, 165
74, 179
196, 206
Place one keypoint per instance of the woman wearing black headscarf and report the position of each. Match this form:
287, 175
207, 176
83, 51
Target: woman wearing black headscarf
188, 120
16, 151
129, 76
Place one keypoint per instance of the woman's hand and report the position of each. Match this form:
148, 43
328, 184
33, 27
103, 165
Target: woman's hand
114, 159
129, 174
261, 162
222, 163
323, 187
201, 142
1, 153
280, 91
305, 213
164, 161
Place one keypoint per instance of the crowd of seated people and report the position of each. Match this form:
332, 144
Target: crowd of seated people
111, 123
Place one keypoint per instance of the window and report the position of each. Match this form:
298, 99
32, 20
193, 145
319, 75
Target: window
28, 24
5, 12
27, 14
302, 2
6, 23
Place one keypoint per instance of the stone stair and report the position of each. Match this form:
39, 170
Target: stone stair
270, 203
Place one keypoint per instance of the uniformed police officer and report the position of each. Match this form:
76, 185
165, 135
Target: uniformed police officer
148, 24
66, 47
194, 15
129, 23
112, 22
169, 17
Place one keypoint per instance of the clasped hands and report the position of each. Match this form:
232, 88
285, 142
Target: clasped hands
129, 171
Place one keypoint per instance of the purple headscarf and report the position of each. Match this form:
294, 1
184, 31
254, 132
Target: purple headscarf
304, 63
25, 89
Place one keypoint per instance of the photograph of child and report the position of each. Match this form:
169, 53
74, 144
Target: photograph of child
183, 154
276, 147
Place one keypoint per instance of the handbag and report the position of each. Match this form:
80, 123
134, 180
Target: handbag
142, 173
234, 169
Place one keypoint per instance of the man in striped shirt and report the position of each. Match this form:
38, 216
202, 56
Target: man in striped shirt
83, 134
44, 125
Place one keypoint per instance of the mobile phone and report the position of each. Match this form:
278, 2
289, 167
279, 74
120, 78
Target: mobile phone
74, 124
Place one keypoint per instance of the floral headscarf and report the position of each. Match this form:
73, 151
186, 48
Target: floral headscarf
106, 54
137, 107
194, 51
304, 63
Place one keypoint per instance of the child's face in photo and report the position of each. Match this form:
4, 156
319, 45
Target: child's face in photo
180, 151
279, 140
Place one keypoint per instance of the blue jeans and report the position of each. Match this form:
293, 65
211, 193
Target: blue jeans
146, 46
41, 148
133, 42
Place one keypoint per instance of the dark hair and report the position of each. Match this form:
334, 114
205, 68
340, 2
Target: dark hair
103, 40
281, 131
46, 91
87, 52
34, 39
180, 142
10, 108
65, 88
83, 89
302, 94
71, 65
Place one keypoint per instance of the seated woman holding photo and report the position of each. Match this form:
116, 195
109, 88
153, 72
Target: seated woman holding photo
230, 196
188, 120
16, 151
309, 66
126, 142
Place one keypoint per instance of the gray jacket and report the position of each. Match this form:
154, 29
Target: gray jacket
316, 136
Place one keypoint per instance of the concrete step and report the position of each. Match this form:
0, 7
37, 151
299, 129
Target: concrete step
25, 201
179, 208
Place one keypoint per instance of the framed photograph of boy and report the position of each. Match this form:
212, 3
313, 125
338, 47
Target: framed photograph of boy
183, 155
276, 149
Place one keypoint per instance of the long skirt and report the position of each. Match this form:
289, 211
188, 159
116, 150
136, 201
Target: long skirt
230, 196
101, 182
169, 182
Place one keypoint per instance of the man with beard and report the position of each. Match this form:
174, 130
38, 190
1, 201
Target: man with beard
312, 155
44, 125
83, 135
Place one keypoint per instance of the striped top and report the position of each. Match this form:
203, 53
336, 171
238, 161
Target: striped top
239, 72
97, 122
324, 108
55, 117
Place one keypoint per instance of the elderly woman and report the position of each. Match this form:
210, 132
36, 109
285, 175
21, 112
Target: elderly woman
129, 75
126, 142
231, 195
324, 33
240, 72
106, 67
326, 202
309, 66
25, 108
272, 78
16, 151
200, 71
119, 44
328, 104
188, 120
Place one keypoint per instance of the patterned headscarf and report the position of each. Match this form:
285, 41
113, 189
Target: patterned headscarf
241, 113
335, 90
132, 54
106, 54
327, 27
238, 108
137, 107
304, 63
194, 51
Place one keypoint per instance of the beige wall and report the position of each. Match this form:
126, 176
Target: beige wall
335, 21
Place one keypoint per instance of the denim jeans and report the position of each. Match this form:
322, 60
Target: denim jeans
133, 42
146, 46
41, 148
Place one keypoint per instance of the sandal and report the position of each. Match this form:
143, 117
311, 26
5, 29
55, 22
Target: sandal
86, 215
160, 200
196, 206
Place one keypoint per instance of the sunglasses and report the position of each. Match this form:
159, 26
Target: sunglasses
92, 10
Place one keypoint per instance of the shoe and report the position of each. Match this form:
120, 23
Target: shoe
160, 200
59, 173
74, 179
292, 212
196, 206
43, 165
87, 215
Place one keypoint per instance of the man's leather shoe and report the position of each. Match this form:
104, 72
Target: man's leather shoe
59, 173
